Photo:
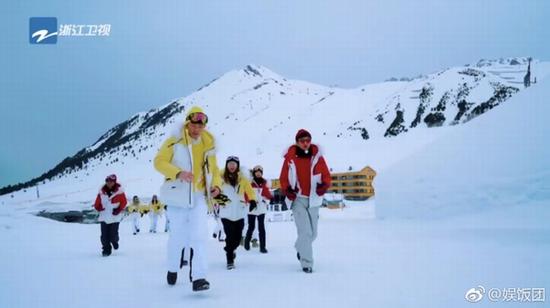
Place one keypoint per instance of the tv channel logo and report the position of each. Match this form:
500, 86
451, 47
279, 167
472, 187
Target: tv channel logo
43, 30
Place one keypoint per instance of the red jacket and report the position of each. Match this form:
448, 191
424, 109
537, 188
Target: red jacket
304, 170
116, 195
265, 189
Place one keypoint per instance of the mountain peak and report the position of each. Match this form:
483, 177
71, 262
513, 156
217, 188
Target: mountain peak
504, 61
259, 71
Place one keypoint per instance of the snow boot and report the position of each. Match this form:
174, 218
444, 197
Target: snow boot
171, 278
298, 256
200, 285
263, 250
115, 246
307, 270
255, 243
246, 245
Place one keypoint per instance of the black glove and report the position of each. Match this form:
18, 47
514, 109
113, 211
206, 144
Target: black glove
290, 193
115, 212
253, 205
222, 199
321, 189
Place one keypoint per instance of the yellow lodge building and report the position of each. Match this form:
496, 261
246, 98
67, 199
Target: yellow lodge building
354, 185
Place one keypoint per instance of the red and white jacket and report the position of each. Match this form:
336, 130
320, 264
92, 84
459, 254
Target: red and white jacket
303, 174
110, 203
263, 197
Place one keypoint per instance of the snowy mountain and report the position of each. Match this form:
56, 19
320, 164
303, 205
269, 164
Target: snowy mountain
255, 113
497, 163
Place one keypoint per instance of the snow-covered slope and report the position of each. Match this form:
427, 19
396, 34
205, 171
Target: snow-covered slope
501, 161
255, 113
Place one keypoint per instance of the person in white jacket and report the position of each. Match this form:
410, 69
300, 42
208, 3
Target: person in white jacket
263, 197
239, 195
187, 160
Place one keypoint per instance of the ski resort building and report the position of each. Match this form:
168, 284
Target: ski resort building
354, 185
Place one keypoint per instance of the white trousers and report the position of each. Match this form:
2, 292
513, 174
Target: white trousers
189, 229
135, 219
154, 219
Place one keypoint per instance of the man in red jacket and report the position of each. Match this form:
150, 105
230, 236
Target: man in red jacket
304, 179
110, 202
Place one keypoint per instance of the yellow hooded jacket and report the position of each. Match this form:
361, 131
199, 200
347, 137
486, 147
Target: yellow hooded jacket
138, 208
156, 208
203, 155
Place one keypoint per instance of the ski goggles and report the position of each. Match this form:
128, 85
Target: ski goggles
258, 168
304, 140
198, 118
232, 158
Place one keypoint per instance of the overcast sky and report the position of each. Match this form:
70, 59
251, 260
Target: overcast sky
56, 99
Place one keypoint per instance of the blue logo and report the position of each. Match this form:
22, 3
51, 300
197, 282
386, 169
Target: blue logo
43, 30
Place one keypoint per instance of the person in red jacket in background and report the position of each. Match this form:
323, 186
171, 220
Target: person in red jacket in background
110, 202
263, 197
304, 179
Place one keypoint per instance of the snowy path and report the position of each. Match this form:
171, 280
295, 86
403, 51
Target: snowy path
359, 263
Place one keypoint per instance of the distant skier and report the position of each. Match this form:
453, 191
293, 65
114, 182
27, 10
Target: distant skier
234, 208
304, 179
135, 211
263, 197
110, 202
156, 210
187, 160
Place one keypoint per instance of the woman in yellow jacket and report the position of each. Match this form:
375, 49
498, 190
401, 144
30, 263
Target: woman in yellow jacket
187, 160
240, 199
135, 212
156, 209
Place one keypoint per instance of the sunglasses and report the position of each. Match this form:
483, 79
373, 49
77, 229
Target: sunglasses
198, 117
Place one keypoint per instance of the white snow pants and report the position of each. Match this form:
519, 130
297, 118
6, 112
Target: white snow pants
154, 219
189, 229
135, 219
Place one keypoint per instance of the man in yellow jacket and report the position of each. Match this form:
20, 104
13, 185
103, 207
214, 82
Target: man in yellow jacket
187, 160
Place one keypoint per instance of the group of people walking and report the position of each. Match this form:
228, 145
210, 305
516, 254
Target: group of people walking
155, 210
195, 185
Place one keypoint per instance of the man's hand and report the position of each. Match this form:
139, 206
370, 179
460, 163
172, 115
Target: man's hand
290, 193
185, 176
321, 189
